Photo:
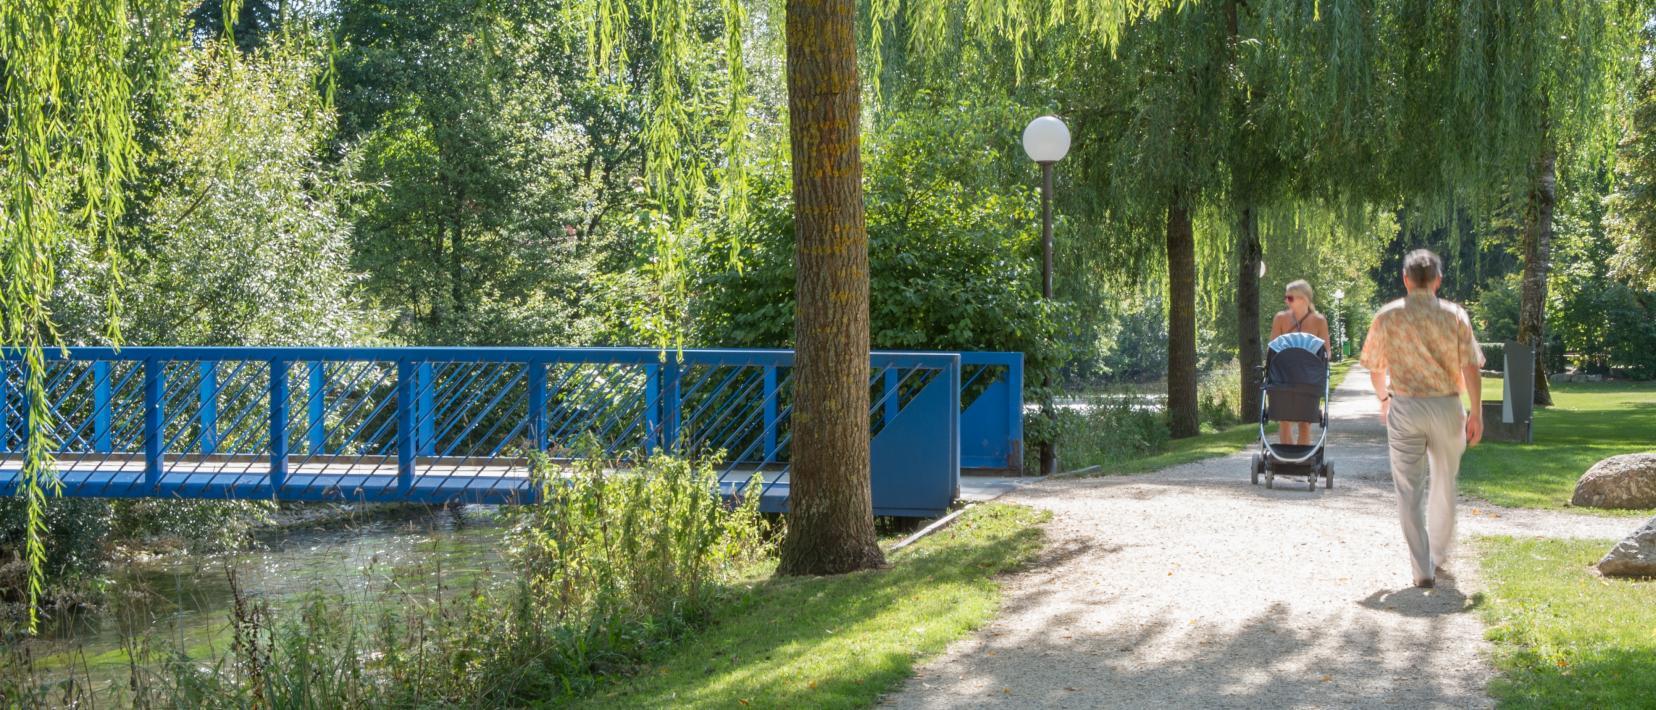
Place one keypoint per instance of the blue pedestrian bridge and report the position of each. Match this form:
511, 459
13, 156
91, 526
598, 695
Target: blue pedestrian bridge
444, 425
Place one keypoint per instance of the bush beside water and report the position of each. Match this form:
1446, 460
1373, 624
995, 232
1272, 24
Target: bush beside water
1125, 424
607, 568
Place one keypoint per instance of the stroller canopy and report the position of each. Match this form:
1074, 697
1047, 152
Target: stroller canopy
1296, 363
1303, 341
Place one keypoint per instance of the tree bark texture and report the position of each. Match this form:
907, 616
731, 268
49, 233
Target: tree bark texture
1249, 354
1181, 321
831, 517
1532, 300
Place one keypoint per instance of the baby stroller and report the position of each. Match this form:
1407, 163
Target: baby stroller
1295, 390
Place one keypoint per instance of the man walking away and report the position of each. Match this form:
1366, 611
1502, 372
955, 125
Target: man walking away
1420, 354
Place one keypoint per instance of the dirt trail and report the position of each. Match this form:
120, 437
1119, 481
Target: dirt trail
1190, 587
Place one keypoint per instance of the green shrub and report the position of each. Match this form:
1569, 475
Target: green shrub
1218, 398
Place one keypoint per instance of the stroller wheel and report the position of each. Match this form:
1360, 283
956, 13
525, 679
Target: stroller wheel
1270, 480
1328, 475
1311, 480
1255, 465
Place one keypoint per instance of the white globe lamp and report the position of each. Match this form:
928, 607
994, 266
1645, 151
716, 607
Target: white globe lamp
1046, 140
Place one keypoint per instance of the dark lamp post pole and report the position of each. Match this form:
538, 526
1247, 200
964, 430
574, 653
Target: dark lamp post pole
1046, 140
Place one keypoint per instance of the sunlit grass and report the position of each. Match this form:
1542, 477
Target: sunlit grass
1566, 638
1588, 421
840, 642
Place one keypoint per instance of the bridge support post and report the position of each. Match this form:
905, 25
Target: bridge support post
1015, 415
891, 379
5, 407
278, 426
405, 427
652, 409
207, 412
153, 379
425, 414
100, 409
537, 404
316, 431
671, 376
770, 414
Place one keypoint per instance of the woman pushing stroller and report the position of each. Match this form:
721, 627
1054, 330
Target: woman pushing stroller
1299, 316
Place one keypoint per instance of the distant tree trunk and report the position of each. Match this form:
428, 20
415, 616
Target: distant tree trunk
457, 270
1181, 321
831, 515
1538, 227
1248, 256
1248, 351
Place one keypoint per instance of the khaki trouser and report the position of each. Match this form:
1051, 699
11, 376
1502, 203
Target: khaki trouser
1421, 430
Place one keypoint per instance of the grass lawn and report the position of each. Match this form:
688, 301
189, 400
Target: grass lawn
1587, 422
1564, 636
840, 642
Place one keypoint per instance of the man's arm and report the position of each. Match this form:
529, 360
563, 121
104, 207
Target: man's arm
1472, 378
1377, 377
1472, 360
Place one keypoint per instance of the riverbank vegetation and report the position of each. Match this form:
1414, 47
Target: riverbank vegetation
605, 570
617, 591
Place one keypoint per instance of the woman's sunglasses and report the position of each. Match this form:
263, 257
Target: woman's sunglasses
1287, 299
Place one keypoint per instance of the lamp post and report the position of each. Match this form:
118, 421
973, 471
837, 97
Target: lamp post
1046, 140
1339, 323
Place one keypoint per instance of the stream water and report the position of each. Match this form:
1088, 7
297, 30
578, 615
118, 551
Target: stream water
186, 602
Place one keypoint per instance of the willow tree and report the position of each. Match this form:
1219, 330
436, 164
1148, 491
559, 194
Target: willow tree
1491, 93
67, 146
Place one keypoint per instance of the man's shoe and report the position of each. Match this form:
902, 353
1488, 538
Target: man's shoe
1425, 583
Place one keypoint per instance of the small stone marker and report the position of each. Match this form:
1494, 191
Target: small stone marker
1633, 557
1627, 481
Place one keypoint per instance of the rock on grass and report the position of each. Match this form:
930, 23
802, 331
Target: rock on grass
1627, 481
1634, 556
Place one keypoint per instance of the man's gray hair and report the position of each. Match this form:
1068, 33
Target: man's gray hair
1422, 267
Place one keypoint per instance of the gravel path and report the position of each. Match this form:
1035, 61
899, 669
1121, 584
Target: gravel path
1190, 587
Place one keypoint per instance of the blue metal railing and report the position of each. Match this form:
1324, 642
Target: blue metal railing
443, 425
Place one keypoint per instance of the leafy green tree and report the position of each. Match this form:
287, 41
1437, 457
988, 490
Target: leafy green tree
238, 239
1632, 219
245, 242
470, 230
945, 270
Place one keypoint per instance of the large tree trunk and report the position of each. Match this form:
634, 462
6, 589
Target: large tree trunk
1248, 350
1532, 300
1181, 321
831, 514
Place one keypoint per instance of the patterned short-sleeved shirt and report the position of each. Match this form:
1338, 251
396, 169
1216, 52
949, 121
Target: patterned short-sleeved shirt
1423, 342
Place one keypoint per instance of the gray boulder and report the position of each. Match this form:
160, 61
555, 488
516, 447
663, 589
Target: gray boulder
1627, 481
1633, 557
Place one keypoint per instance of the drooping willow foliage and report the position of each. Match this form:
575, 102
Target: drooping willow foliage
67, 146
675, 34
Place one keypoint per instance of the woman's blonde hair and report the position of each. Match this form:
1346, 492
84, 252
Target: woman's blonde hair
1303, 288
